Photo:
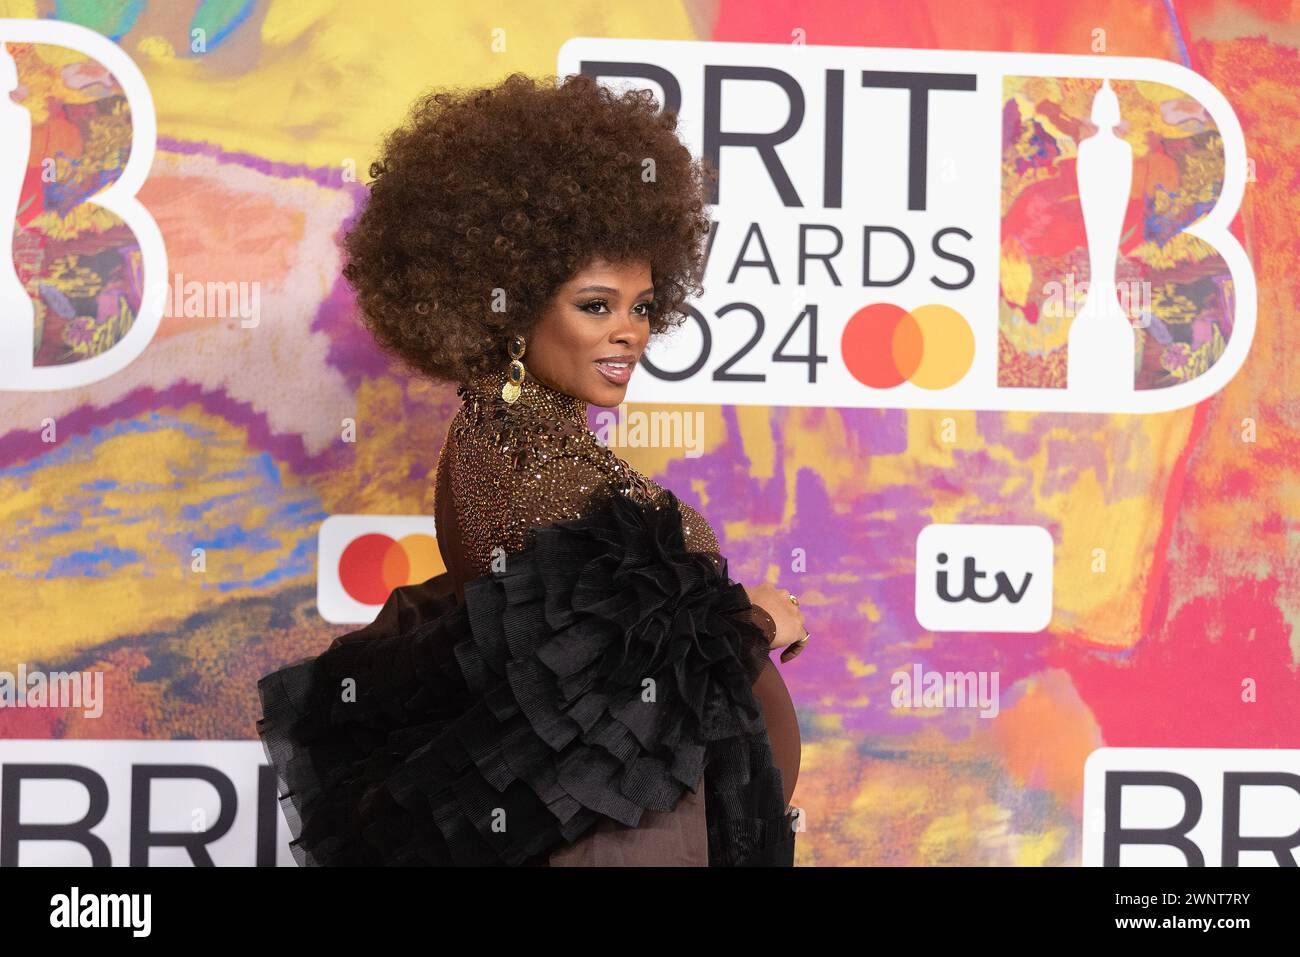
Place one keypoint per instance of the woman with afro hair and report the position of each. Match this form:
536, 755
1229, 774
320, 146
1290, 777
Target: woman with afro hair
584, 685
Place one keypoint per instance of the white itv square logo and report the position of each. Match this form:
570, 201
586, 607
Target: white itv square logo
984, 578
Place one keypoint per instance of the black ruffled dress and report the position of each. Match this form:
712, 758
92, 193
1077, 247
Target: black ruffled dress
603, 673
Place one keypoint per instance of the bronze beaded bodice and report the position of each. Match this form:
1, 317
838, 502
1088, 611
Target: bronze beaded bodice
507, 468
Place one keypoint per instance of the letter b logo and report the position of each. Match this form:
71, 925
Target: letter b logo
82, 265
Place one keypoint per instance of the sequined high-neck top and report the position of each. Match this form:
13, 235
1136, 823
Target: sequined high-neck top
509, 468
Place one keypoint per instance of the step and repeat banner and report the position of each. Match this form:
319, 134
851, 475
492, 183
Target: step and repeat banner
994, 368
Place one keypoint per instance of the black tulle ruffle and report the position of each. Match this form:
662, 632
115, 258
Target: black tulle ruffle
493, 730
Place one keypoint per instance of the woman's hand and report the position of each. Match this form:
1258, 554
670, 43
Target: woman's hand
787, 615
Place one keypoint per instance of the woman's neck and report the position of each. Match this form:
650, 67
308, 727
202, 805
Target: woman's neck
533, 394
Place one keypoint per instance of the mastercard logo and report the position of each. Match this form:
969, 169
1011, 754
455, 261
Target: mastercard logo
362, 558
373, 565
885, 345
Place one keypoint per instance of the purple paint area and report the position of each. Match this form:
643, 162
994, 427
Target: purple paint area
329, 177
288, 449
858, 550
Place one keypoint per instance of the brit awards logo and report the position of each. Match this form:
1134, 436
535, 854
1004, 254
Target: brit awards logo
82, 264
950, 229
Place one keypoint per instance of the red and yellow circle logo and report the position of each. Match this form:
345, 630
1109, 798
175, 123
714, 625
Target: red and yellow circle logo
884, 345
372, 565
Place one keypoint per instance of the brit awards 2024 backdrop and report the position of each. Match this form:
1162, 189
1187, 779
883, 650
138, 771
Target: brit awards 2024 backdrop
993, 367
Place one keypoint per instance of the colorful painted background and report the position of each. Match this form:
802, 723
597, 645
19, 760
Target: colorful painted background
228, 438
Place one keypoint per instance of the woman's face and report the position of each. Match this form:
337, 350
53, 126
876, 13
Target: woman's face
591, 334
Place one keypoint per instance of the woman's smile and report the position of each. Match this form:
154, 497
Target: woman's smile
617, 369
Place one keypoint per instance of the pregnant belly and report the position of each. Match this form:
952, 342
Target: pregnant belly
782, 725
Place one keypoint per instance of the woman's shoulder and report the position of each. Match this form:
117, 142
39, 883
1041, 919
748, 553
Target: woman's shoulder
698, 533
531, 448
514, 469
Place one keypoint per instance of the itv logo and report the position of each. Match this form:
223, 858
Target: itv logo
984, 578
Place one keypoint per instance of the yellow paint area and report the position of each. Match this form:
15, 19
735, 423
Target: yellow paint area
321, 81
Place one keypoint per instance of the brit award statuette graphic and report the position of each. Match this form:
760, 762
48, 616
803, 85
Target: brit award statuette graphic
63, 185
950, 229
1101, 359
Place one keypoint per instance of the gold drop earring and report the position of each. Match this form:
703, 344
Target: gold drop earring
510, 391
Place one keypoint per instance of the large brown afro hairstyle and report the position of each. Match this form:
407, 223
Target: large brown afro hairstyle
495, 197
